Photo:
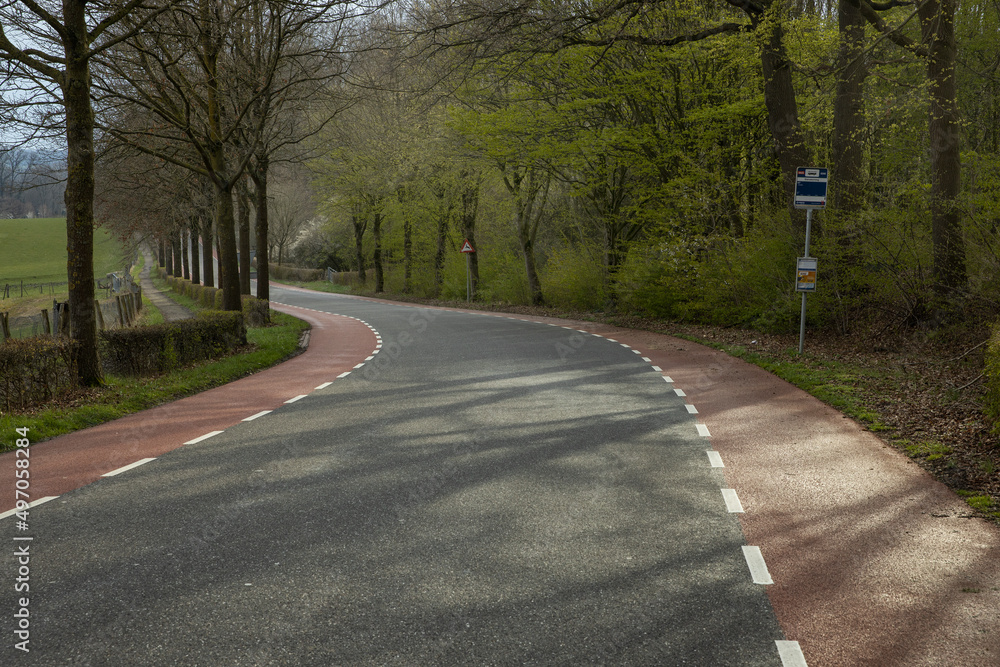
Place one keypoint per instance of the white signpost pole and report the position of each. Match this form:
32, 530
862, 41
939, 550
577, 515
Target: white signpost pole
810, 193
467, 250
802, 316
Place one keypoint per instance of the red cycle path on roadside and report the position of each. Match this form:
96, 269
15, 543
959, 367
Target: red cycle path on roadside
336, 345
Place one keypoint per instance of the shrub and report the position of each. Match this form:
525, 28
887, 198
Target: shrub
256, 312
162, 347
280, 272
208, 296
34, 370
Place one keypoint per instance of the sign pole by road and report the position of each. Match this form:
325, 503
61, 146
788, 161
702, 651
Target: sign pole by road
810, 193
467, 249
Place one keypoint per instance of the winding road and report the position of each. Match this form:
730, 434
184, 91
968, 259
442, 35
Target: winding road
436, 487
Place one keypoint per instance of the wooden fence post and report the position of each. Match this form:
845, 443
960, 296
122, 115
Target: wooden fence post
100, 315
45, 322
64, 320
121, 312
5, 325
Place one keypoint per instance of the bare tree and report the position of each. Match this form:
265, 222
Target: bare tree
49, 51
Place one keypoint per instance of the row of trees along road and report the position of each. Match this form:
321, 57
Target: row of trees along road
643, 153
608, 151
216, 88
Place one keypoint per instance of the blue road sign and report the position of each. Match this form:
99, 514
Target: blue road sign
810, 187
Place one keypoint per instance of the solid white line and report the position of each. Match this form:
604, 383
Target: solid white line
324, 385
297, 398
657, 369
34, 503
691, 409
259, 414
344, 374
790, 654
703, 431
679, 392
758, 568
128, 467
202, 437
667, 378
733, 503
715, 459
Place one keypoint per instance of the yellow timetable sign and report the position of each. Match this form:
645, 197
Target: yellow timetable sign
805, 274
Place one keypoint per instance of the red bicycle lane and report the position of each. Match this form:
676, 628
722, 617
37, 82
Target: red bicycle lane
337, 344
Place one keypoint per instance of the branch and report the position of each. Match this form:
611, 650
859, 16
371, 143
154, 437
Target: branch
655, 41
869, 12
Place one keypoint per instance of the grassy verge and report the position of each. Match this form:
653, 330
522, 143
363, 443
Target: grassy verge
121, 396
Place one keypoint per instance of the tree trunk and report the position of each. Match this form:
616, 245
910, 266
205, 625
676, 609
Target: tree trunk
79, 195
444, 213
229, 270
525, 188
937, 20
259, 176
175, 250
243, 206
849, 111
779, 98
470, 210
360, 222
193, 227
377, 252
162, 252
407, 242
207, 240
185, 256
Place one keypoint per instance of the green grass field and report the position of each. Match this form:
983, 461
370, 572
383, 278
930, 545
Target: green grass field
35, 251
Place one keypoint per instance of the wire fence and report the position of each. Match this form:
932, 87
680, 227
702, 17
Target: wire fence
21, 289
118, 309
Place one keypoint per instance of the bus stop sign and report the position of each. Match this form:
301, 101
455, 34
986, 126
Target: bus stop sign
810, 187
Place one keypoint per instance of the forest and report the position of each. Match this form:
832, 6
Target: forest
613, 155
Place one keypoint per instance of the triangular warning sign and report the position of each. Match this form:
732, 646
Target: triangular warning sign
467, 247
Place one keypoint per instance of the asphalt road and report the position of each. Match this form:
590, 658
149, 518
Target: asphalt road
482, 491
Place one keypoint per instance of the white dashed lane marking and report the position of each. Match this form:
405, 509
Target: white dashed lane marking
128, 467
715, 459
34, 503
733, 503
703, 431
691, 409
790, 654
297, 398
259, 414
202, 437
758, 568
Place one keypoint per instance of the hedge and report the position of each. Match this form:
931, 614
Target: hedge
162, 347
34, 370
279, 272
